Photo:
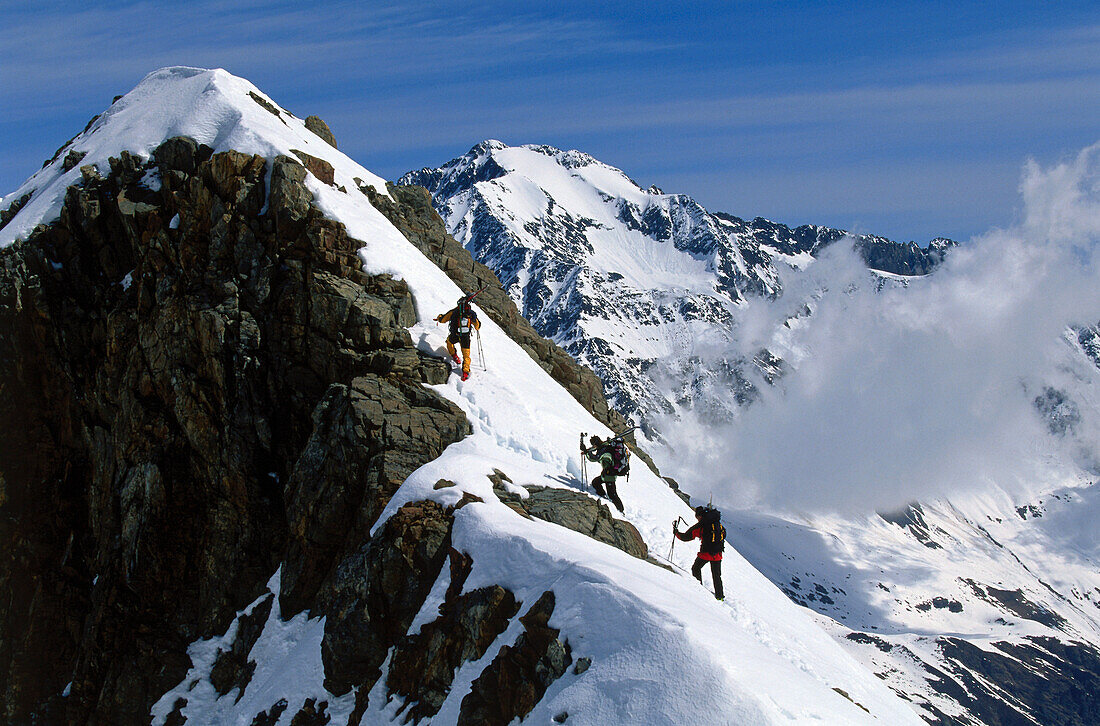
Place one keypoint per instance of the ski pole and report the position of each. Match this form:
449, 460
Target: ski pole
584, 462
481, 351
675, 526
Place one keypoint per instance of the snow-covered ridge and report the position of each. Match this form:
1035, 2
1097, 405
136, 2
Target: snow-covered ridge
662, 649
213, 107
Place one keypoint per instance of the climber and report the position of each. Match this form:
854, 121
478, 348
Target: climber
614, 460
462, 318
712, 540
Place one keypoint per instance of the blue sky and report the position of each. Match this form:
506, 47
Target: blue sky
910, 120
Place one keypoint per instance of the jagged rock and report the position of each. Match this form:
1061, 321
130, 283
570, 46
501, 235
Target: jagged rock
232, 668
424, 665
578, 512
272, 715
519, 675
377, 591
319, 127
72, 159
13, 209
182, 154
318, 167
289, 199
266, 105
176, 717
165, 379
311, 714
366, 439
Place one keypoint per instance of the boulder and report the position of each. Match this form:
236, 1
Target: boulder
319, 127
578, 512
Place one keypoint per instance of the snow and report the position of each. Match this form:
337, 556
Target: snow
757, 657
288, 666
662, 649
211, 106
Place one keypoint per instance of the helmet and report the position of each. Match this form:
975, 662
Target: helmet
595, 440
700, 512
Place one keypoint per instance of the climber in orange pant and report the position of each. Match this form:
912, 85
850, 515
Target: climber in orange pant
463, 319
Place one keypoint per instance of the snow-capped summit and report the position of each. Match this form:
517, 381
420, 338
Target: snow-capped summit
213, 107
633, 282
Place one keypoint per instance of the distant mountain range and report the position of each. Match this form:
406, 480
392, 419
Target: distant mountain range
633, 282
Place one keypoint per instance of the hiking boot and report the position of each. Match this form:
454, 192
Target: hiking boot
465, 375
456, 359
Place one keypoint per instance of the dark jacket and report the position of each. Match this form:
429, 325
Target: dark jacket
460, 323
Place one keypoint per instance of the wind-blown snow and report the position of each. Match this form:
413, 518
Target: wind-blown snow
661, 647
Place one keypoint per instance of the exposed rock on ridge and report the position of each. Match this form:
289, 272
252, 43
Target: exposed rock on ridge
411, 211
170, 358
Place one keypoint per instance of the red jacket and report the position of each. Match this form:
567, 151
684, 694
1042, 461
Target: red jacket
712, 539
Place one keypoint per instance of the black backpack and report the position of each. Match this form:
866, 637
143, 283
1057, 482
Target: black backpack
712, 535
620, 458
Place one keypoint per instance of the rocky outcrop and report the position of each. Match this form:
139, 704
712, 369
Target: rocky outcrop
317, 125
175, 368
233, 668
377, 591
424, 664
518, 677
578, 512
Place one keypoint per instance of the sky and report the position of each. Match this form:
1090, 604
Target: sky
907, 119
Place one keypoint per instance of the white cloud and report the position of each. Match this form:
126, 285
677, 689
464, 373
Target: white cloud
916, 393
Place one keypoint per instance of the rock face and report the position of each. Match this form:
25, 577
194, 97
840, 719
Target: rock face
192, 394
200, 385
577, 512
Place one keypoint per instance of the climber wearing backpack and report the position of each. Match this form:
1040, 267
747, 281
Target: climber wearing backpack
712, 539
463, 320
614, 460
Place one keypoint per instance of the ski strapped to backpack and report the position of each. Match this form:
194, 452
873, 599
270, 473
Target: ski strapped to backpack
460, 322
607, 441
616, 447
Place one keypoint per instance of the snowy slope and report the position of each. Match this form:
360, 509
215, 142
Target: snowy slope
662, 649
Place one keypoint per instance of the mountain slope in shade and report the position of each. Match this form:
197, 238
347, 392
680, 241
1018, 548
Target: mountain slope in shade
637, 284
277, 501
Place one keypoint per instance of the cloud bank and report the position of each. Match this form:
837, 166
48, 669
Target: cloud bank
922, 391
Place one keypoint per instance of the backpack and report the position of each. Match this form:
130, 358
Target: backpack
712, 535
620, 458
463, 317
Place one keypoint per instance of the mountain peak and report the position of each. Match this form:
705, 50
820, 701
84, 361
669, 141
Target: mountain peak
212, 106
